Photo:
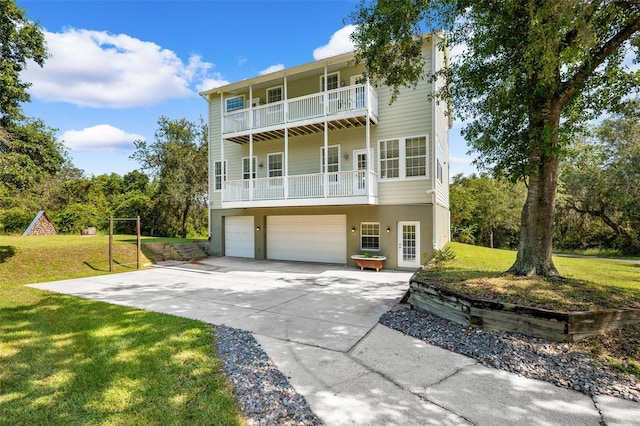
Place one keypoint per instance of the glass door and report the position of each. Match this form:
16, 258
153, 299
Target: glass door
408, 244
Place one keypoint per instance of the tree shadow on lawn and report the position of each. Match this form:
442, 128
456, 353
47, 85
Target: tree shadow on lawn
6, 252
67, 360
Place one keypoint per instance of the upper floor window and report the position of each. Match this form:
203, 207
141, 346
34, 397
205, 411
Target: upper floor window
403, 158
246, 170
416, 156
439, 160
234, 103
274, 94
390, 159
333, 81
333, 159
219, 174
274, 165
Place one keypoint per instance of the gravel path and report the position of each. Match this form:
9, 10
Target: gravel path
264, 393
530, 357
267, 398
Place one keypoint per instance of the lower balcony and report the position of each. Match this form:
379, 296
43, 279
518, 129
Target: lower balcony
336, 188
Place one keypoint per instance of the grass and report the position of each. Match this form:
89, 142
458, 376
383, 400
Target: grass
73, 361
589, 284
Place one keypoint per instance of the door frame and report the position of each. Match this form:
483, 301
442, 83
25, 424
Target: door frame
415, 263
360, 186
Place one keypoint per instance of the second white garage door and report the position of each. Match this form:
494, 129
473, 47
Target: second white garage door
311, 238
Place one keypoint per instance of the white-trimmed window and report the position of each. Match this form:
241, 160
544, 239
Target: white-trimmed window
370, 236
246, 172
219, 174
234, 103
275, 164
403, 158
416, 156
274, 94
390, 159
333, 162
333, 159
439, 160
333, 81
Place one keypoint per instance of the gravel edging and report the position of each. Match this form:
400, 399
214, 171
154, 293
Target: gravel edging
531, 357
266, 397
263, 392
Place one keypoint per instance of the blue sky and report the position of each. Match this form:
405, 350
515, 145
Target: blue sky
116, 66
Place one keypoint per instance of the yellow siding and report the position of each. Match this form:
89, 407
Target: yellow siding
413, 191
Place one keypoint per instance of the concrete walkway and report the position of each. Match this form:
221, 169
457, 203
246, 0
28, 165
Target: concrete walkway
318, 323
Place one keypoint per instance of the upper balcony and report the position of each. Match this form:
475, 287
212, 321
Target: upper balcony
342, 108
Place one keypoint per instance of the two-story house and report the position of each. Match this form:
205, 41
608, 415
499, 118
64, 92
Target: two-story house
312, 163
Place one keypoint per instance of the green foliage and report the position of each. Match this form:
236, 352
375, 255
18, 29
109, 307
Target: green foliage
15, 220
517, 62
601, 183
20, 40
177, 160
485, 210
443, 256
30, 154
75, 217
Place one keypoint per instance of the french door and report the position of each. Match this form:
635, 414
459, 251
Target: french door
408, 244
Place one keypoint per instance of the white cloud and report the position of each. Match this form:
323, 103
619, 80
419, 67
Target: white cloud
102, 136
457, 50
272, 68
212, 83
340, 42
99, 69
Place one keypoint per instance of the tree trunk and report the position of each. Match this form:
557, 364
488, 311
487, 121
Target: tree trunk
536, 228
185, 215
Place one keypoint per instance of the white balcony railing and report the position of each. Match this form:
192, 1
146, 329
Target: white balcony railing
354, 99
317, 185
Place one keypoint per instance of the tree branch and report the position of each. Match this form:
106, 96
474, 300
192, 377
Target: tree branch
597, 58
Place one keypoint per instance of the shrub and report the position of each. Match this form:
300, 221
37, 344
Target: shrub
15, 220
76, 217
440, 257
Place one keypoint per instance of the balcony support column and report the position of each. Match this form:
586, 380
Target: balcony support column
251, 123
286, 140
250, 166
223, 177
368, 139
286, 163
326, 135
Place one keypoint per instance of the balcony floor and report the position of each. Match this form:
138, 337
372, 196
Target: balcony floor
300, 129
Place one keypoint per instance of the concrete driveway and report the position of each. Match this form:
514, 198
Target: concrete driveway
318, 323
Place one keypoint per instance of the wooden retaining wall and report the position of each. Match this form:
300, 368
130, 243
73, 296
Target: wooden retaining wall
550, 325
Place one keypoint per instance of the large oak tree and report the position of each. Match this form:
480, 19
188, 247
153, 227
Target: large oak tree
529, 74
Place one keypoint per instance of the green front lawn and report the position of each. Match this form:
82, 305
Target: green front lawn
590, 284
72, 361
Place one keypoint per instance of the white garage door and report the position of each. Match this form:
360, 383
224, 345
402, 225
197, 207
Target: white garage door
238, 236
312, 238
